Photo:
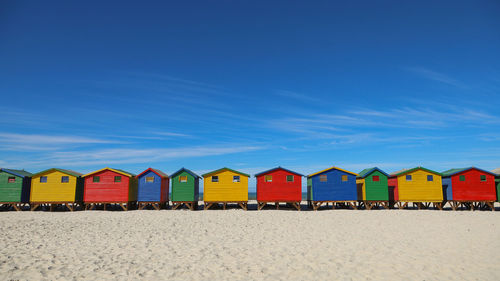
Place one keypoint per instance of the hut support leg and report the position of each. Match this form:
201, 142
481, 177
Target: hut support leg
16, 207
208, 205
174, 206
438, 205
156, 206
124, 206
316, 205
242, 205
69, 207
353, 205
491, 205
261, 205
296, 205
277, 205
368, 205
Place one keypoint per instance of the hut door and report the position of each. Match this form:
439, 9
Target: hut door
391, 193
360, 191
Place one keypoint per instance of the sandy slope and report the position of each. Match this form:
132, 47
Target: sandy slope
238, 245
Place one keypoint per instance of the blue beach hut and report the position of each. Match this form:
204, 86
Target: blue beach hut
152, 190
333, 185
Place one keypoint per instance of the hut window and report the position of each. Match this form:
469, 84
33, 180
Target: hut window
408, 177
43, 179
323, 178
462, 178
344, 177
289, 178
236, 178
430, 178
64, 179
96, 179
215, 178
375, 178
483, 177
269, 178
118, 178
12, 180
150, 179
183, 179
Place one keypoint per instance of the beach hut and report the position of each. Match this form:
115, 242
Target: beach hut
185, 189
110, 187
152, 189
469, 187
333, 185
14, 188
279, 185
54, 187
419, 186
225, 186
373, 189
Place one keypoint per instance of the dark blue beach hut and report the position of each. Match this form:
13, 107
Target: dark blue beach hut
333, 185
152, 189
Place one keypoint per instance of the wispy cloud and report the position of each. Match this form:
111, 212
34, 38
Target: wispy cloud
171, 134
86, 158
435, 76
297, 96
21, 142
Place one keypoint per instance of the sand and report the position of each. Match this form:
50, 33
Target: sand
255, 245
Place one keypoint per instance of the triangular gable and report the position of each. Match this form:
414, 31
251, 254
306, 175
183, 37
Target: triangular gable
19, 173
225, 169
185, 170
366, 172
156, 171
332, 168
407, 171
277, 168
127, 174
453, 172
64, 171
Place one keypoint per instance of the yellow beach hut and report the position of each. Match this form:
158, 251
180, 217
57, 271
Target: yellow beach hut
225, 186
419, 186
55, 187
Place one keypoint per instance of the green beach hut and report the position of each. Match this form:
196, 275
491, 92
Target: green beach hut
185, 189
15, 188
373, 187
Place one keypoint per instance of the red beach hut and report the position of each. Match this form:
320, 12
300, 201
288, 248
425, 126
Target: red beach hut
109, 186
471, 187
279, 185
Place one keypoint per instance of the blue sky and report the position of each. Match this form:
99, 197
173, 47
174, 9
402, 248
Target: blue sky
249, 85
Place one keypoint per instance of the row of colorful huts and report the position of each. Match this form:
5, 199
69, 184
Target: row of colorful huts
467, 187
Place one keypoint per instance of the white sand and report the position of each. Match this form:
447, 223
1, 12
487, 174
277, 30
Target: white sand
239, 245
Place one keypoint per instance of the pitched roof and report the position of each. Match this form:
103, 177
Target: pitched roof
64, 171
331, 168
125, 173
406, 171
19, 173
277, 168
452, 172
224, 169
156, 171
366, 172
185, 170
